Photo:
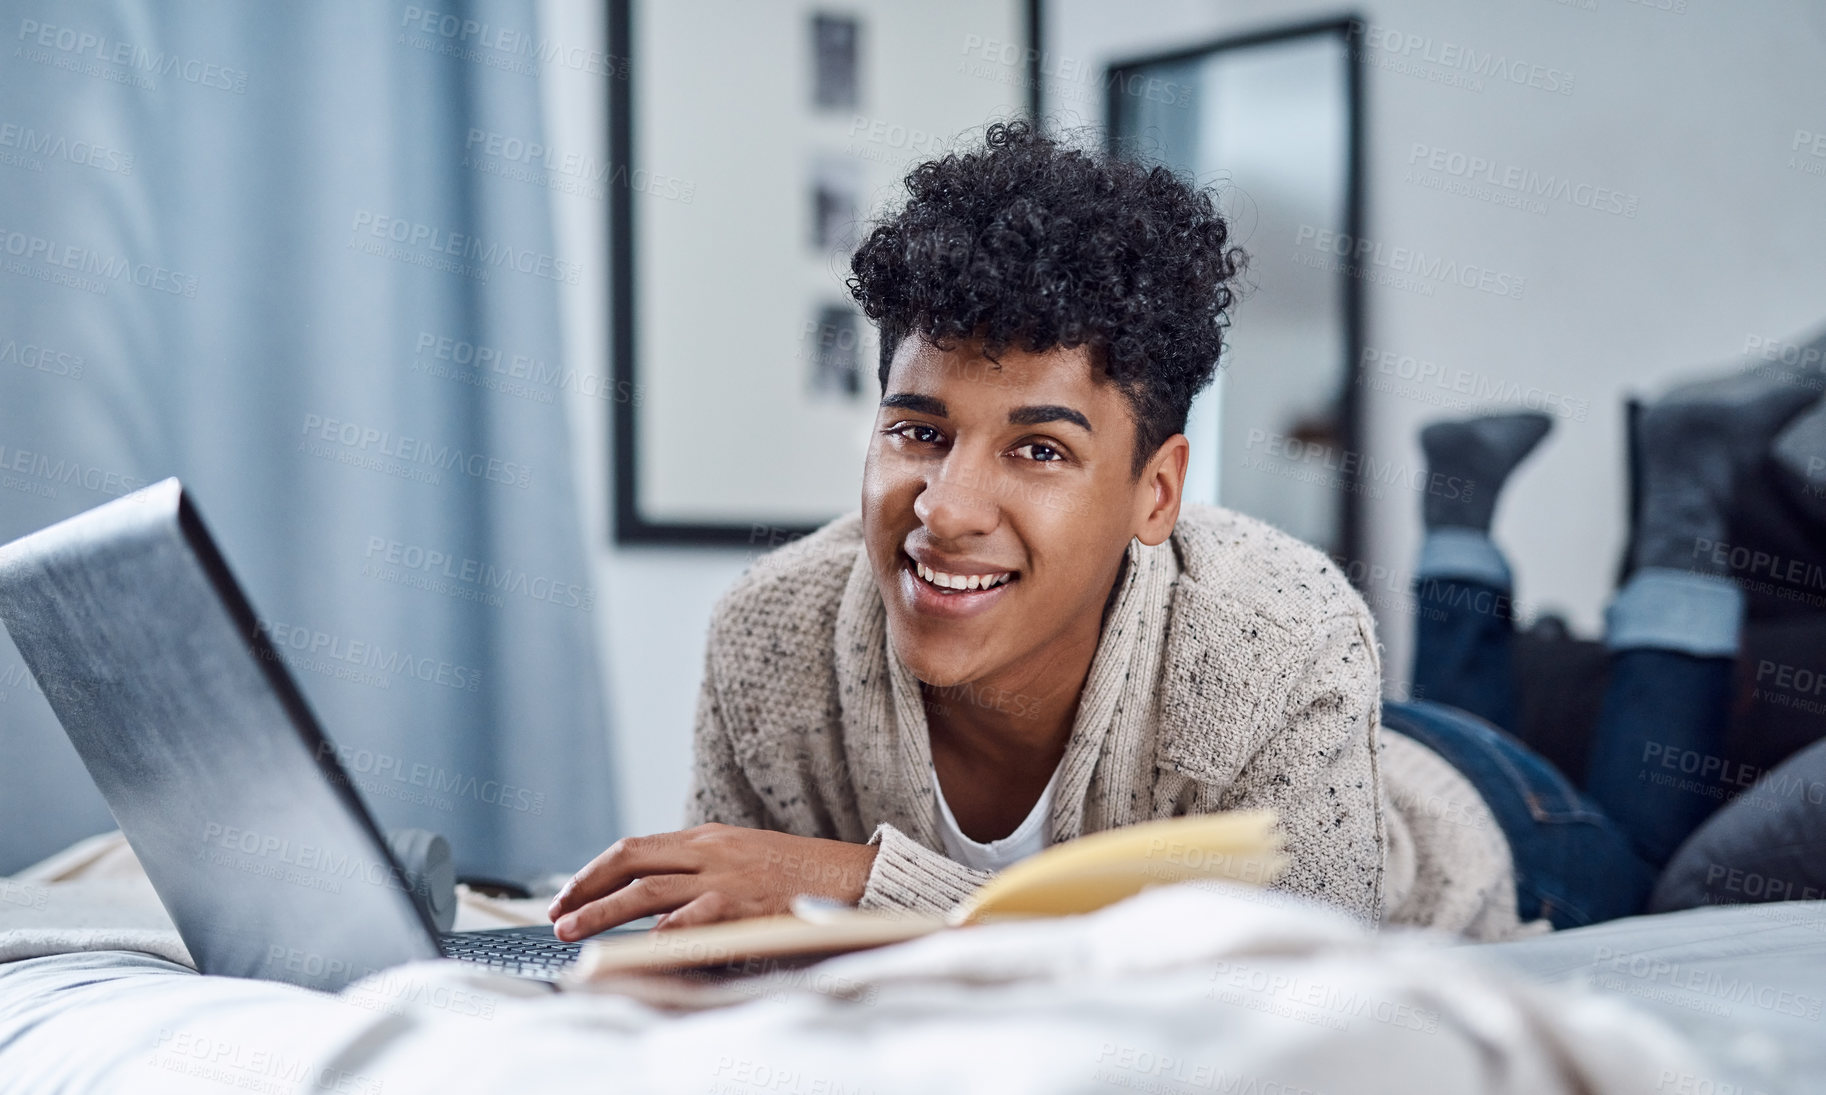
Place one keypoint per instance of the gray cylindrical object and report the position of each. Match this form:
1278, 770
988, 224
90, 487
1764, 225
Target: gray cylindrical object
424, 858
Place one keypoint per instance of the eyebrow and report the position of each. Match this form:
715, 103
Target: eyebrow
907, 401
1034, 416
1020, 416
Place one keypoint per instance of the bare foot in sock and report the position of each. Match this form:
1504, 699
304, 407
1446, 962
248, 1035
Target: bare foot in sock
1694, 444
1480, 453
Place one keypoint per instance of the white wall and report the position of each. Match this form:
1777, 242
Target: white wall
654, 603
1693, 112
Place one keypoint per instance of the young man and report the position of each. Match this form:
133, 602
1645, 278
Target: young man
1022, 638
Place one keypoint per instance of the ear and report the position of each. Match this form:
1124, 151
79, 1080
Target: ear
1159, 490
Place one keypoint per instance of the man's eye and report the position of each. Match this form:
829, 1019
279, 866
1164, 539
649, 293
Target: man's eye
1044, 454
925, 435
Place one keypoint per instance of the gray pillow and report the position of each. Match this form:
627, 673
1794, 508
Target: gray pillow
1768, 844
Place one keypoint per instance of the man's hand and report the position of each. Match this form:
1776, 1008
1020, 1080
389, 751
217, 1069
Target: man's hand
706, 874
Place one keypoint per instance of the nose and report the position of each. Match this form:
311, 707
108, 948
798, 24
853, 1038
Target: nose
953, 505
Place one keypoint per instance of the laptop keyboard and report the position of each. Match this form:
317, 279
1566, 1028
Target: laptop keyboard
527, 952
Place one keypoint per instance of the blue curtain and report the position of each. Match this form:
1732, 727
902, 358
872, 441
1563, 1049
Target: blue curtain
292, 254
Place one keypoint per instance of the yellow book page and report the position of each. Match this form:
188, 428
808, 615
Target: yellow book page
1079, 876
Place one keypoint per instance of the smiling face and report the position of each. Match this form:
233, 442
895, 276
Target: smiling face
997, 502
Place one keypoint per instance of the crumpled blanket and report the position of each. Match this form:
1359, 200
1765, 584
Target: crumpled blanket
1182, 989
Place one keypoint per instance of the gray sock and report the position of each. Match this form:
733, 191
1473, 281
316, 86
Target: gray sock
1694, 443
1469, 460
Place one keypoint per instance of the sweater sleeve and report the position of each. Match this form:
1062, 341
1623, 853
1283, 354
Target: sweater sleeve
720, 791
909, 875
1319, 773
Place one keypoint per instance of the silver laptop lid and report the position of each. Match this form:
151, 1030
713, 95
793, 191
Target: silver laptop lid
204, 748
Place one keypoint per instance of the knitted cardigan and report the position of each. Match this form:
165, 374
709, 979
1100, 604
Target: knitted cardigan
1236, 669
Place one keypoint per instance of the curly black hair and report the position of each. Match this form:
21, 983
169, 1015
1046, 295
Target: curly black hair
1031, 242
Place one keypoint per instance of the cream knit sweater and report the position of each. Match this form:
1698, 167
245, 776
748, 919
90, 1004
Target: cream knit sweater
1236, 669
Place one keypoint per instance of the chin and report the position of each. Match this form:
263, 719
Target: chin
938, 661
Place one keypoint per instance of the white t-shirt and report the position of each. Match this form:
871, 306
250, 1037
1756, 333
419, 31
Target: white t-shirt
1028, 837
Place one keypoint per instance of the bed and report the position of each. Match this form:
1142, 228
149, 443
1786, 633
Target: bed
1183, 989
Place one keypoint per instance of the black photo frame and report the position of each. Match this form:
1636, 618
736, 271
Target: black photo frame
631, 522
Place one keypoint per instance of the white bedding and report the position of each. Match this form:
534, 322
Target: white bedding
1180, 990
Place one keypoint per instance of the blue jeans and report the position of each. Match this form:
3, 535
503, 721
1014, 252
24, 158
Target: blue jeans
1573, 864
1657, 750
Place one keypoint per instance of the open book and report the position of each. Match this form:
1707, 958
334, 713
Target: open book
1078, 876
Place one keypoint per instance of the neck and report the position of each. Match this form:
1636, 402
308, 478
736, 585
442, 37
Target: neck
1020, 717
1008, 724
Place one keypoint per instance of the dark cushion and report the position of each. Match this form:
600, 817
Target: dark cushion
1768, 844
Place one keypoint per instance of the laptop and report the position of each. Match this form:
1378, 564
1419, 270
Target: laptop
210, 760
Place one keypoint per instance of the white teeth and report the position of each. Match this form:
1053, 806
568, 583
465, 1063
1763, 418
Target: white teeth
960, 581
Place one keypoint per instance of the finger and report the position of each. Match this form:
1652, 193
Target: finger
624, 861
710, 907
643, 897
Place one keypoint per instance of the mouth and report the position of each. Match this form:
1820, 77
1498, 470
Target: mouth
962, 592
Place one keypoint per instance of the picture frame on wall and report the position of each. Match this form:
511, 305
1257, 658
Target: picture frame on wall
792, 123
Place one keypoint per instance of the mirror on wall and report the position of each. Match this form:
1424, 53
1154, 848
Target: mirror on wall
1272, 121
